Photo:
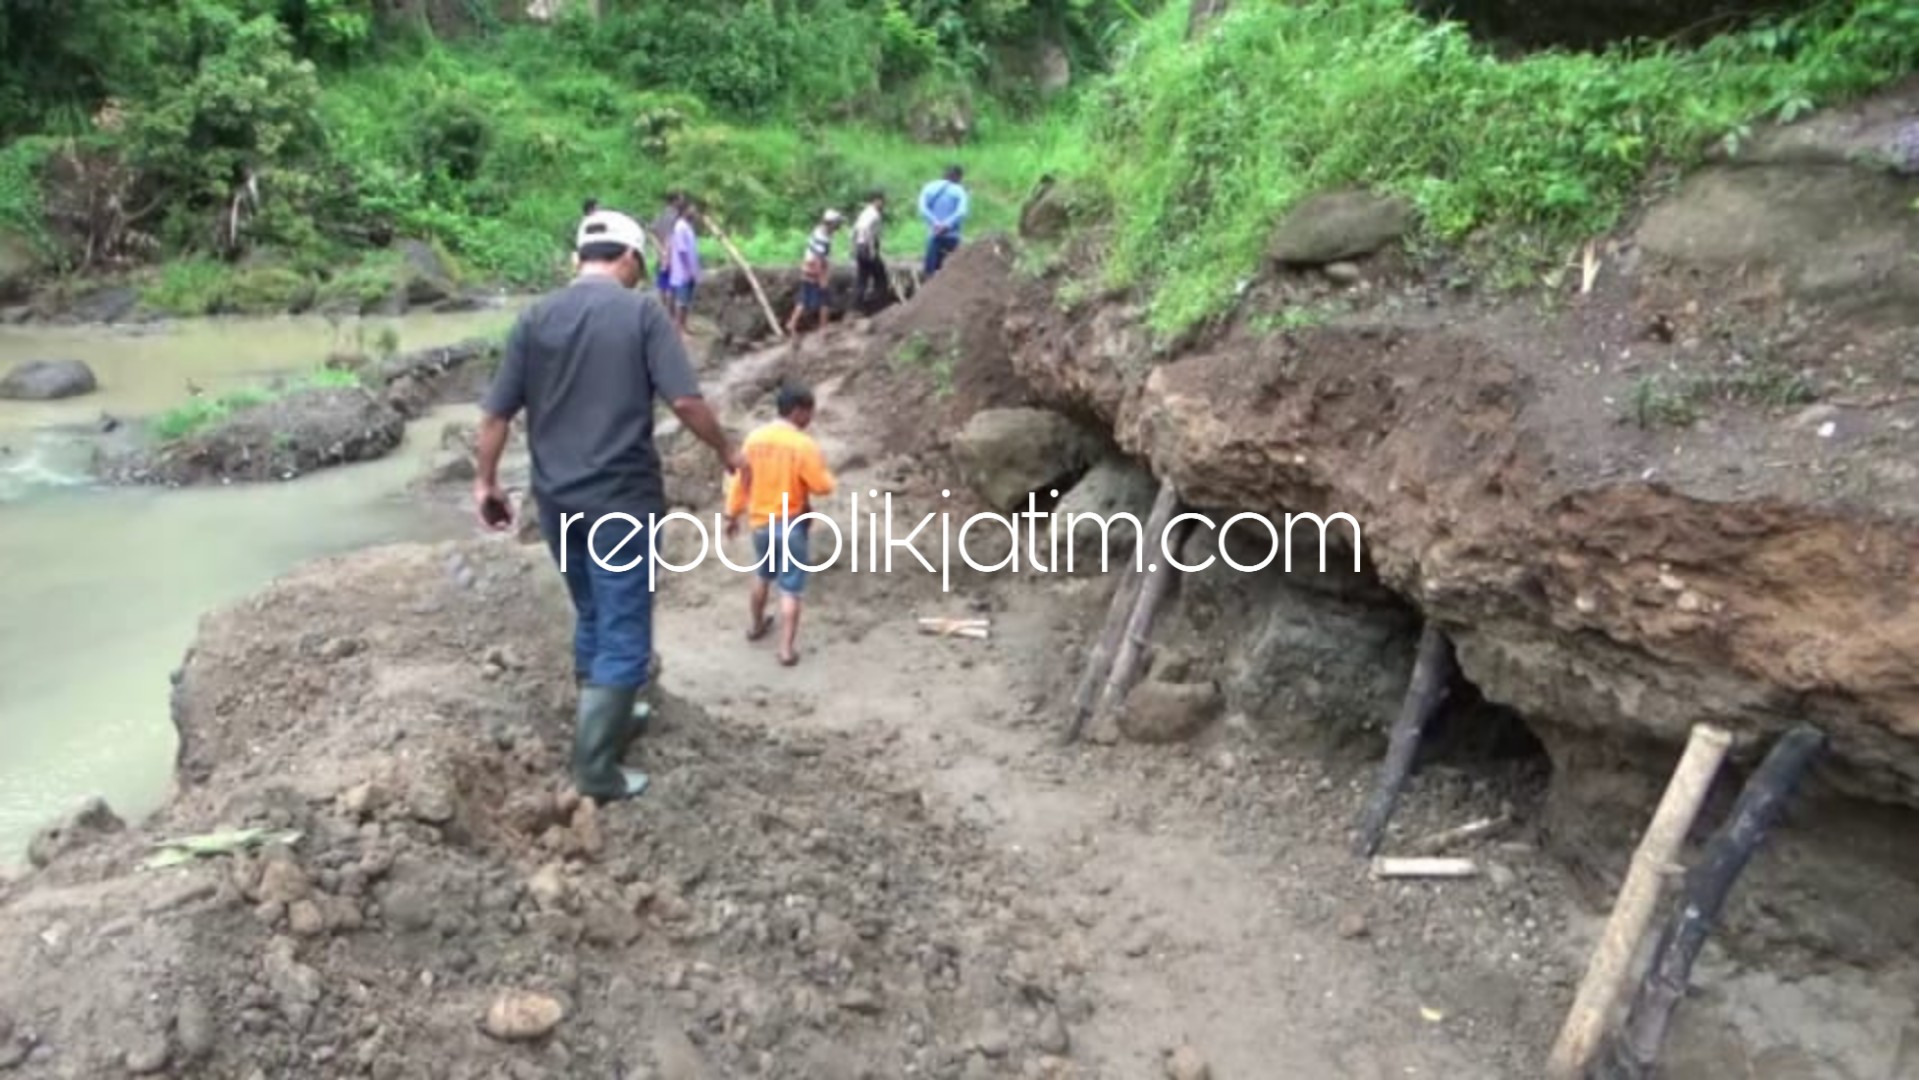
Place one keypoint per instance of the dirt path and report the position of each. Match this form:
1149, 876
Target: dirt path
1183, 933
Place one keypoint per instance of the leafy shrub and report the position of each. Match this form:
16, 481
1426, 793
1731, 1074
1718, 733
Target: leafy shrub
1204, 145
247, 115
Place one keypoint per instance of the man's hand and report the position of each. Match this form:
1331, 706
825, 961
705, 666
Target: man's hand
735, 463
490, 503
732, 528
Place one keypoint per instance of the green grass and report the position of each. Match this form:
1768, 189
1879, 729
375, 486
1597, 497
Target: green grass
1681, 399
1203, 146
542, 139
201, 412
939, 360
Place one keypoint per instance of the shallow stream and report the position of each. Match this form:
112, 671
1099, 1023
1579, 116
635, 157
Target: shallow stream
101, 588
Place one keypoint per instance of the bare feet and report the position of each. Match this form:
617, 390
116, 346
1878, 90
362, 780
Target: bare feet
757, 632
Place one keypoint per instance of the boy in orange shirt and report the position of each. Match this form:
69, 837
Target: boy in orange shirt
787, 470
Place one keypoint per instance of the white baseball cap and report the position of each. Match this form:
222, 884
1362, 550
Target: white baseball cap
832, 217
611, 227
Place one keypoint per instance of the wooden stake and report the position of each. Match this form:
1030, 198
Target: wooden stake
1432, 674
739, 260
1390, 867
1472, 830
1632, 1054
1606, 974
1165, 506
1139, 627
967, 628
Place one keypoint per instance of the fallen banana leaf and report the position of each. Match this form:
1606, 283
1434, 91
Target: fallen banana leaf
187, 848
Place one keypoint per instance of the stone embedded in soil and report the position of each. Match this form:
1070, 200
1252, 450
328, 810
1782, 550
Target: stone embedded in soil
1339, 225
89, 821
193, 1025
148, 1056
282, 882
1343, 273
410, 905
993, 1040
1352, 926
1051, 1037
1185, 1063
548, 887
1163, 712
521, 1015
305, 919
430, 799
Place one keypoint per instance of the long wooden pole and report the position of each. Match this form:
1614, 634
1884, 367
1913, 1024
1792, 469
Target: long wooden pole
739, 260
1606, 974
1139, 630
1100, 661
1763, 799
1432, 673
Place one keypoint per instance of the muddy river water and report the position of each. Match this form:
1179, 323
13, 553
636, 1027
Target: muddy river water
101, 588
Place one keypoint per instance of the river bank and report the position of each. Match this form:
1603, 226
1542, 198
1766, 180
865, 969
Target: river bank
104, 584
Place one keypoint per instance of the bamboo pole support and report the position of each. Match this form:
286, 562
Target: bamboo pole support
1432, 674
1633, 909
766, 306
1631, 1056
1125, 595
1139, 630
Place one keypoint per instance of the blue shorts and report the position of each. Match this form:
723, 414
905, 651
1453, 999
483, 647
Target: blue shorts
782, 565
683, 295
812, 296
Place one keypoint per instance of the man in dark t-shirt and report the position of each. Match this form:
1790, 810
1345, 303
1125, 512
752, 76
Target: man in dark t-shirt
586, 363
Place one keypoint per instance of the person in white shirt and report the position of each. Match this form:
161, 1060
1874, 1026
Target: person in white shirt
866, 253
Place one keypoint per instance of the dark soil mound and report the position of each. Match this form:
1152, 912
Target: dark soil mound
289, 436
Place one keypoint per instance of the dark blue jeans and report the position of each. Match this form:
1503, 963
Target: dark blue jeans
937, 249
612, 609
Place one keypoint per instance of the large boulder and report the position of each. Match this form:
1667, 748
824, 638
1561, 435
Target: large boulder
425, 276
1822, 209
1047, 213
1113, 486
1339, 225
46, 380
1005, 454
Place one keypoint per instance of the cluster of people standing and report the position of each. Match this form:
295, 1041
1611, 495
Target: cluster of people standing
674, 238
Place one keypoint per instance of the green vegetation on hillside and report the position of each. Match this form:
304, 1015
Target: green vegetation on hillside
1201, 146
268, 153
312, 131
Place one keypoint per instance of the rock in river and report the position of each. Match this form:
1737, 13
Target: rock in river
46, 380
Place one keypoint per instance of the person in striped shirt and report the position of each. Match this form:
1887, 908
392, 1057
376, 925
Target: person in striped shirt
815, 272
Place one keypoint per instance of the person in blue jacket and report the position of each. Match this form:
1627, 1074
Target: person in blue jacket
943, 208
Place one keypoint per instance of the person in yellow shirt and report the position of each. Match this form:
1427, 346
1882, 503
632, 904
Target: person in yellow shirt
787, 471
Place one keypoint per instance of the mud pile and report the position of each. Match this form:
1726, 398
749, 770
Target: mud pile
777, 905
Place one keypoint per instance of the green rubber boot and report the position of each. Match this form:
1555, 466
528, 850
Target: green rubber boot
603, 730
642, 710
